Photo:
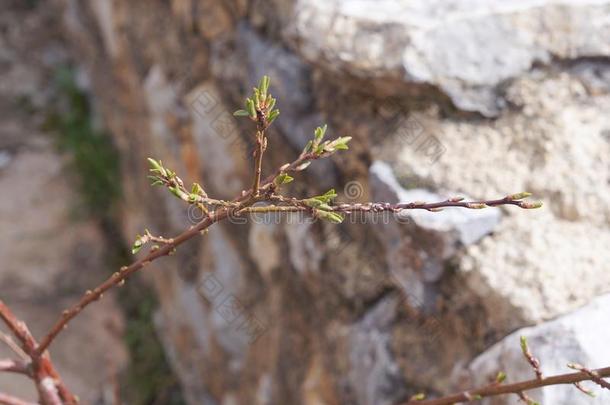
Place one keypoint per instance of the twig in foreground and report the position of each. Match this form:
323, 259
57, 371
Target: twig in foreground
515, 388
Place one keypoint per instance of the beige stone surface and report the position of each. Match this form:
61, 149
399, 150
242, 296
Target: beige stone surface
378, 311
49, 254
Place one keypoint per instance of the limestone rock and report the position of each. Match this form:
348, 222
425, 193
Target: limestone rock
556, 343
466, 48
321, 296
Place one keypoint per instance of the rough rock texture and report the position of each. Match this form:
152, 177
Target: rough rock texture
465, 48
284, 310
48, 255
567, 339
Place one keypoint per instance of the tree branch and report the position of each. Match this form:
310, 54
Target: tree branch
120, 276
258, 161
14, 366
18, 329
11, 400
515, 388
48, 381
260, 109
294, 205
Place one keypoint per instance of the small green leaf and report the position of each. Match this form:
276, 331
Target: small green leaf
312, 202
341, 143
330, 216
178, 193
283, 179
523, 342
319, 134
157, 167
321, 201
263, 85
155, 180
328, 196
531, 205
139, 242
307, 147
519, 196
241, 113
418, 397
273, 115
197, 189
270, 103
251, 108
500, 377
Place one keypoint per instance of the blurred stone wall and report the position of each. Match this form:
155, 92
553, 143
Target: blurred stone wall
443, 98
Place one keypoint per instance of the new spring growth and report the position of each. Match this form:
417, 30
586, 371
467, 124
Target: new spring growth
530, 357
282, 178
500, 377
260, 104
320, 149
260, 107
322, 209
524, 204
140, 241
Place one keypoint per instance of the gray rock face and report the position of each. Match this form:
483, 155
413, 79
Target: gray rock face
48, 255
580, 337
446, 231
374, 373
331, 330
466, 48
468, 226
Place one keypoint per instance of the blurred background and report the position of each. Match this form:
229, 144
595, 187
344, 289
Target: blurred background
477, 98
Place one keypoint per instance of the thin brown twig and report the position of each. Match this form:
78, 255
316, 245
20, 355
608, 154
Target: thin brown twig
53, 392
258, 161
582, 389
48, 382
14, 366
523, 397
18, 329
8, 340
11, 400
533, 361
118, 277
300, 205
594, 376
515, 388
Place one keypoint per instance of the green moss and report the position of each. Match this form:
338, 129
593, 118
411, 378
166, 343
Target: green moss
94, 165
94, 159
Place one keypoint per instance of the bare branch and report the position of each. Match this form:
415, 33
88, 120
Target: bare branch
260, 109
261, 143
533, 361
14, 366
11, 400
300, 205
493, 390
18, 329
594, 376
120, 276
8, 340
